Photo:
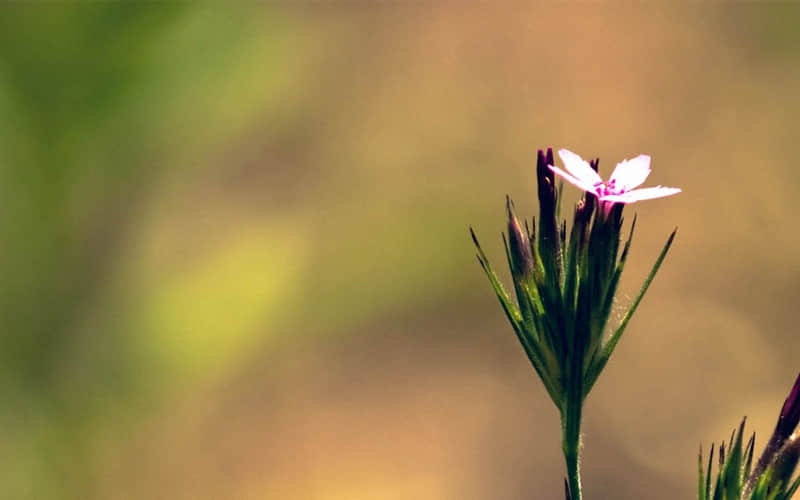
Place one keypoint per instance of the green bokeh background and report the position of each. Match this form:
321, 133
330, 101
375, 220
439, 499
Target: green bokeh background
234, 257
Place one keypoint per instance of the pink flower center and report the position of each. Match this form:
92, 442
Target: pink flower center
602, 189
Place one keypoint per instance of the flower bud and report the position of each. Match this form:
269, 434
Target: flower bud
547, 182
519, 245
787, 421
549, 234
790, 412
785, 462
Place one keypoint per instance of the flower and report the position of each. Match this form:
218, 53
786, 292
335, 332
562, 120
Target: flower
621, 186
565, 285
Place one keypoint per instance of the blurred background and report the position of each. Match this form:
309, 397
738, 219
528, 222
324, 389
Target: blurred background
235, 261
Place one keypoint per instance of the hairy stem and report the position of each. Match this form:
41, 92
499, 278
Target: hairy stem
571, 437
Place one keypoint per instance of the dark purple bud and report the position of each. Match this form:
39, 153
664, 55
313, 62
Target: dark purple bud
547, 182
787, 421
550, 160
519, 244
790, 412
549, 234
786, 461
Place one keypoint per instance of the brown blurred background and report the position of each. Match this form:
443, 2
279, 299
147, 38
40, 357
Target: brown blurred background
235, 261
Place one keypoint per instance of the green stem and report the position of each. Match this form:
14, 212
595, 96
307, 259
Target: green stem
570, 444
571, 416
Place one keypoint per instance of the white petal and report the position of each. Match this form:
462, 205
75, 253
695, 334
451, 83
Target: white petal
641, 194
631, 173
579, 168
586, 186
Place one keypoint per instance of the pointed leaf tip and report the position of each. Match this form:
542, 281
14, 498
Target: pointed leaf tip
790, 412
748, 451
474, 238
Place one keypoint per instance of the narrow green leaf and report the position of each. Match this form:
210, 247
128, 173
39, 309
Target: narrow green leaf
560, 190
531, 349
569, 299
761, 490
577, 242
608, 349
560, 262
792, 489
733, 465
718, 488
700, 481
522, 300
600, 320
627, 246
708, 473
749, 452
538, 264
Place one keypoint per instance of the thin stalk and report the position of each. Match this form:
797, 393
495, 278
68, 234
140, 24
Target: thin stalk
571, 435
571, 417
